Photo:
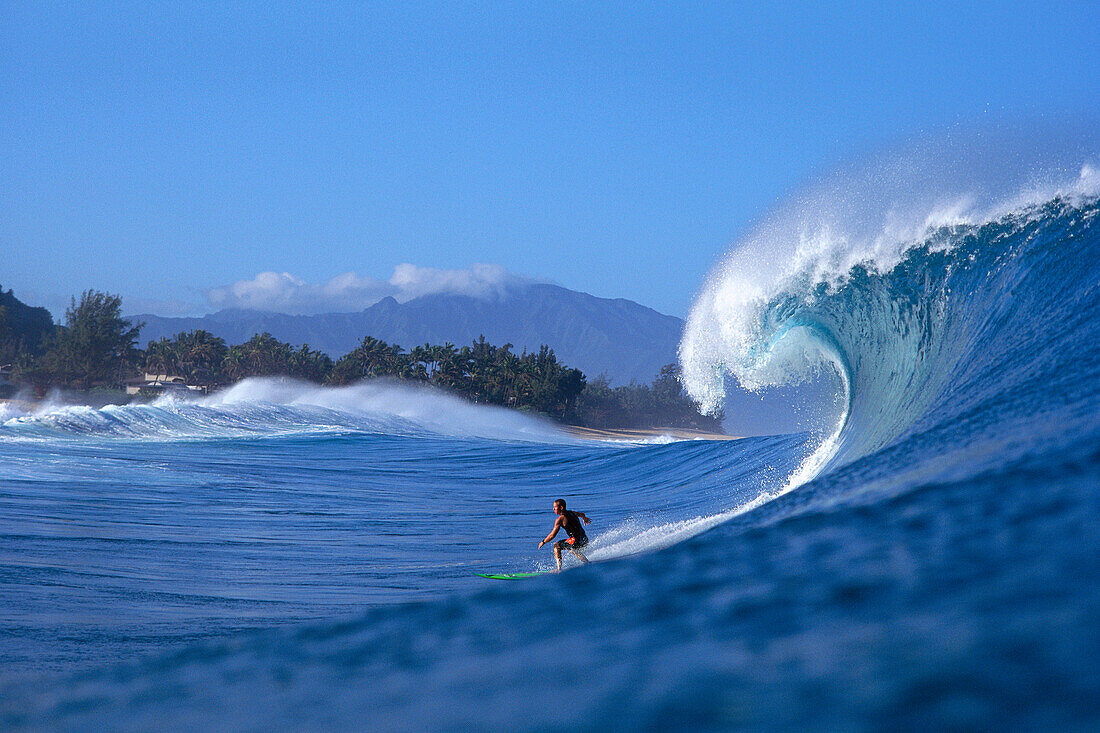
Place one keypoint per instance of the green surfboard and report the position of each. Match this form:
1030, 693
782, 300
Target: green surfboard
513, 576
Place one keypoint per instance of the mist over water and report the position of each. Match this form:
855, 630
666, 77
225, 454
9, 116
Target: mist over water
281, 406
284, 555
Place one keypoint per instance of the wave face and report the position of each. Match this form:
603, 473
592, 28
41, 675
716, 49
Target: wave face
284, 556
925, 326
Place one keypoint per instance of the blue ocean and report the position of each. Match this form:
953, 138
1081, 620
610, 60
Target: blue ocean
924, 555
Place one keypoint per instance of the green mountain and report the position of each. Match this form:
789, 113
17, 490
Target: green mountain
623, 339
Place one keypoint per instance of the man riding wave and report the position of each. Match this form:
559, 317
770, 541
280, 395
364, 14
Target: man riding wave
570, 521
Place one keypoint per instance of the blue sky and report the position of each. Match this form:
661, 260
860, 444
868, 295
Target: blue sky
164, 152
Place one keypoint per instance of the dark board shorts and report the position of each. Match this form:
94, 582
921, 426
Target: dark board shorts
570, 544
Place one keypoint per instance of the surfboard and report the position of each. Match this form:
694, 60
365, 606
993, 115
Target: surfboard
513, 576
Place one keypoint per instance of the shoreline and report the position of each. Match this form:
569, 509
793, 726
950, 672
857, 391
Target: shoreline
644, 433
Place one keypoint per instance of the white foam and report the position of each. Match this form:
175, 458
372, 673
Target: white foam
10, 410
422, 406
278, 406
634, 537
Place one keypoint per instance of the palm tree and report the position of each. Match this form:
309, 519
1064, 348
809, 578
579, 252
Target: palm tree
233, 364
449, 371
204, 349
161, 357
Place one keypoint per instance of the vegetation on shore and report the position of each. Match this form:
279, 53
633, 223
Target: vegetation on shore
96, 346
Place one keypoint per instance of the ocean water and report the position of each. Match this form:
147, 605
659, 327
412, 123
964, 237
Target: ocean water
284, 556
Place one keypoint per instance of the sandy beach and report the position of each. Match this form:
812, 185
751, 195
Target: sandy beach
644, 433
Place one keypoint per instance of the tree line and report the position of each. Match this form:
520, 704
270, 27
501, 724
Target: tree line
97, 347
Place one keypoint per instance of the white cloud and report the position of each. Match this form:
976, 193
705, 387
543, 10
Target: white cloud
284, 293
477, 281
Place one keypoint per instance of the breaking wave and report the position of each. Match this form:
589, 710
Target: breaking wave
278, 407
957, 306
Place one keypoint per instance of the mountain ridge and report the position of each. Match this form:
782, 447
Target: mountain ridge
623, 339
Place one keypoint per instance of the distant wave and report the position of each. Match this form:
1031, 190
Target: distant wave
276, 406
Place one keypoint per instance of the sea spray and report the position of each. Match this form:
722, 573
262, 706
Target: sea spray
279, 406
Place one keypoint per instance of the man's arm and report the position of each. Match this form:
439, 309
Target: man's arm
584, 516
557, 526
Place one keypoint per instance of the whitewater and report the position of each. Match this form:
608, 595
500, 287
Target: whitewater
283, 555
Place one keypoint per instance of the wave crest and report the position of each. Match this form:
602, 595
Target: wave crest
905, 313
276, 406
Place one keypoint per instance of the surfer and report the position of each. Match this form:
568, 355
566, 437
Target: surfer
570, 521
